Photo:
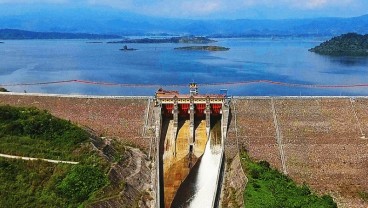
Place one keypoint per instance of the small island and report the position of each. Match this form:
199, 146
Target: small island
3, 89
203, 48
350, 44
125, 48
94, 42
186, 39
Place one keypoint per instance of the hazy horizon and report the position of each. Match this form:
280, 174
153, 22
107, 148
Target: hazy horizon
194, 9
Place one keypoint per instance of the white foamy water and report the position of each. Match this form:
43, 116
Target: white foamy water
199, 189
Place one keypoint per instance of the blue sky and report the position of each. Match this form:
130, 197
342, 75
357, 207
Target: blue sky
215, 9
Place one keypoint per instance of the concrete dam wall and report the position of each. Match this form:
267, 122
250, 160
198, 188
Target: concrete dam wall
120, 117
318, 140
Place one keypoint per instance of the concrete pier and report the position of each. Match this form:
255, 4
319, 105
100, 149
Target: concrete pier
191, 119
208, 116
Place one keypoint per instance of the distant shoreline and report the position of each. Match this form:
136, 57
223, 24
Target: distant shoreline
182, 39
13, 34
203, 48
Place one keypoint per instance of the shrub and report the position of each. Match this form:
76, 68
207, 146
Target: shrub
31, 129
269, 188
80, 182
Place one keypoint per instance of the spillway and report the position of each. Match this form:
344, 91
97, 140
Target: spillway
190, 130
178, 159
199, 188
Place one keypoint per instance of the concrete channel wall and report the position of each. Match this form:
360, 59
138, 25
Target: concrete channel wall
158, 124
224, 126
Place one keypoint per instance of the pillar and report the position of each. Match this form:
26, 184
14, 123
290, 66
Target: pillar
175, 125
208, 116
175, 112
191, 124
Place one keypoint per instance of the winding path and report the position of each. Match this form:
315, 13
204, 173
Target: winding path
32, 158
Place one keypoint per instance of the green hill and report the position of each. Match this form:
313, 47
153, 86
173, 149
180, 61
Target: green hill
350, 44
98, 180
269, 188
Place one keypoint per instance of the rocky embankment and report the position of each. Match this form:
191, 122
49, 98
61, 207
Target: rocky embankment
351, 44
319, 136
129, 175
235, 182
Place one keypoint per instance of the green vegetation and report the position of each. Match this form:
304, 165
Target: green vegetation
203, 48
350, 44
42, 184
80, 182
364, 195
269, 188
35, 133
3, 89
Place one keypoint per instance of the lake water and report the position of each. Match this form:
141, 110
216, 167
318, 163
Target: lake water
285, 60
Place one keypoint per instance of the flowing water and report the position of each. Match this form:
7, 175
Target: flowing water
199, 189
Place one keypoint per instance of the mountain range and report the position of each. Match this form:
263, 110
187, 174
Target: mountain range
113, 21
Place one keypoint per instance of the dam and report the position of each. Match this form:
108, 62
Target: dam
323, 138
191, 130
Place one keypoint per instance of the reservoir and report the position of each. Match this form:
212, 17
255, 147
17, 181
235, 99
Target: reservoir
277, 59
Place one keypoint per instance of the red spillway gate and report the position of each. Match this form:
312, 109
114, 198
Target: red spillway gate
216, 108
183, 109
200, 109
168, 109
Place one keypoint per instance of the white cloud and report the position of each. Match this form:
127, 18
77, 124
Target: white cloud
316, 3
319, 4
200, 7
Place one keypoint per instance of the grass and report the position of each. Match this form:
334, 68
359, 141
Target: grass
363, 195
42, 184
269, 188
34, 133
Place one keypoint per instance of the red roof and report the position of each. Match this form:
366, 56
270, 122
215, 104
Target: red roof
161, 93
